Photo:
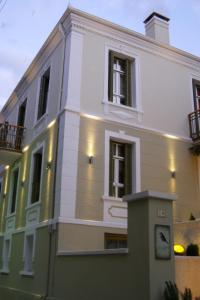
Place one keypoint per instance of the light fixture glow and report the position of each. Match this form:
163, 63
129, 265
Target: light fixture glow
92, 117
170, 136
25, 149
179, 249
51, 123
90, 160
7, 167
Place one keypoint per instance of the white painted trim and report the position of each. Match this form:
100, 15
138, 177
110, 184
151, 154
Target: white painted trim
27, 274
29, 232
36, 149
44, 68
5, 253
91, 223
1, 190
93, 252
136, 86
17, 166
121, 136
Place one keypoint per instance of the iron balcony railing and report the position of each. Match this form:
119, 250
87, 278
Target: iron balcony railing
11, 137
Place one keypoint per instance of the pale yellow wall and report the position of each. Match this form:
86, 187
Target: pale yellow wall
165, 86
159, 155
187, 233
188, 274
74, 237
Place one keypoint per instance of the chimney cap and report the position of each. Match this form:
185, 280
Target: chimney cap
156, 15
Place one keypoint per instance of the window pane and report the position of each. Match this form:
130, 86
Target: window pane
122, 65
37, 161
121, 192
14, 191
121, 171
121, 150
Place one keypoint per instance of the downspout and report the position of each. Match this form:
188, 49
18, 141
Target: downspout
53, 226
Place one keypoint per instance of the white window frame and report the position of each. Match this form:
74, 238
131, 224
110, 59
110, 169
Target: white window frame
136, 70
11, 189
6, 254
30, 232
42, 72
1, 190
123, 138
24, 98
36, 149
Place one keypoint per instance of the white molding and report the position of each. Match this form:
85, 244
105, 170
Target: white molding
119, 48
131, 38
94, 252
37, 147
29, 232
6, 254
43, 69
91, 223
17, 166
121, 136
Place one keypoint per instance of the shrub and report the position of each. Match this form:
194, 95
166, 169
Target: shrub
192, 250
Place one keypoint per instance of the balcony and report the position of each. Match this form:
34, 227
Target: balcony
11, 137
194, 125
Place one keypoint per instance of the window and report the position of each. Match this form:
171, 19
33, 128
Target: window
0, 187
36, 176
44, 88
120, 169
196, 93
6, 254
21, 114
28, 253
14, 188
113, 241
120, 79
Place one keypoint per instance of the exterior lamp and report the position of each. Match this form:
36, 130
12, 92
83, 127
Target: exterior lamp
48, 166
90, 160
22, 183
179, 249
173, 174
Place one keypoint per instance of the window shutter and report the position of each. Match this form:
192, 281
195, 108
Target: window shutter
128, 83
128, 169
110, 76
111, 169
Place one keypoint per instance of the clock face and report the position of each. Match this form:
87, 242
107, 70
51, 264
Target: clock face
162, 242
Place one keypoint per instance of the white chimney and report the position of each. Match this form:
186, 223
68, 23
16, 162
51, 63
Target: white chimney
157, 27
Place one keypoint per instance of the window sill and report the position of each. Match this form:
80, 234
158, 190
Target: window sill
110, 198
11, 215
122, 111
39, 121
26, 274
4, 272
33, 205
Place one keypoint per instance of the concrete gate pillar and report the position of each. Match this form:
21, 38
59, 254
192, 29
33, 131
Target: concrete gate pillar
150, 242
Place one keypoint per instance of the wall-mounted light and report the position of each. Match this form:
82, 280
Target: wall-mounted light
179, 249
25, 149
22, 183
173, 174
48, 166
90, 159
7, 167
51, 124
4, 195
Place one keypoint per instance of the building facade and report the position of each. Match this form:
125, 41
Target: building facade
101, 112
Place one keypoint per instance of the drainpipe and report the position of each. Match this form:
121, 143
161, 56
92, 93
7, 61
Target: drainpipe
53, 226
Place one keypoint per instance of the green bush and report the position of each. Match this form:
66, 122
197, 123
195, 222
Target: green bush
192, 250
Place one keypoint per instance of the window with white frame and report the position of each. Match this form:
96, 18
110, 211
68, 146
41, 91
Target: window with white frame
196, 94
121, 82
44, 90
6, 254
120, 169
13, 190
36, 176
28, 252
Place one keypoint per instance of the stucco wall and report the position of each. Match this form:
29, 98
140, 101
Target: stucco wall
159, 155
187, 274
